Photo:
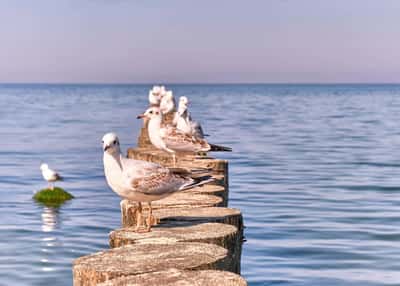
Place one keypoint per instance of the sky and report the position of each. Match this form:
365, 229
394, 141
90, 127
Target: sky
208, 41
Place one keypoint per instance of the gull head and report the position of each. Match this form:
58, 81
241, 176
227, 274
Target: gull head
169, 95
183, 100
155, 90
110, 143
44, 166
150, 113
183, 105
162, 91
155, 94
167, 103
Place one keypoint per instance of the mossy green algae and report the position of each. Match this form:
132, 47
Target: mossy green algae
54, 197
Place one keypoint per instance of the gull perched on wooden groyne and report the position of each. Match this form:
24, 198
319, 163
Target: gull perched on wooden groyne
167, 103
143, 181
184, 122
50, 175
171, 140
155, 95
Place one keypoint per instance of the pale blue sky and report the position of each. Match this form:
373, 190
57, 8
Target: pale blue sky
199, 41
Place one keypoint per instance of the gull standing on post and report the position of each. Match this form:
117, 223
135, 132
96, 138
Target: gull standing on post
167, 103
50, 175
155, 95
143, 181
184, 122
170, 139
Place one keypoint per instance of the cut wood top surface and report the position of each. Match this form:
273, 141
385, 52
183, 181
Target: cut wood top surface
184, 215
170, 233
143, 258
210, 214
181, 199
175, 277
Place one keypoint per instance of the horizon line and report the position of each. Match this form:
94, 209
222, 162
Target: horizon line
199, 83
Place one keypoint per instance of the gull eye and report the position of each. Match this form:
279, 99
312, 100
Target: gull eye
115, 142
151, 112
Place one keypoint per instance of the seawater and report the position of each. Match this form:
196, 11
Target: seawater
315, 171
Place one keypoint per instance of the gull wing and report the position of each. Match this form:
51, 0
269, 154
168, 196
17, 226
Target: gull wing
150, 178
53, 176
179, 141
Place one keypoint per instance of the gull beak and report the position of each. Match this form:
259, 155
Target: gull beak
141, 116
106, 148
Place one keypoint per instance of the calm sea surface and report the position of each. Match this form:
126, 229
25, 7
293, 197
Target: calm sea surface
315, 171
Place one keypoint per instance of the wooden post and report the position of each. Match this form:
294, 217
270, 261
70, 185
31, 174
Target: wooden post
138, 259
202, 215
210, 189
173, 276
177, 200
224, 235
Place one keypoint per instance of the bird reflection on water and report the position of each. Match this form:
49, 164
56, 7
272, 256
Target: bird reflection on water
50, 217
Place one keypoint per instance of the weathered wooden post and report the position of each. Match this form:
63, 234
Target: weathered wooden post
138, 259
224, 235
174, 277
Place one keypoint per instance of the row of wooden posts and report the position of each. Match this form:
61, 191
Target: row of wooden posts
198, 240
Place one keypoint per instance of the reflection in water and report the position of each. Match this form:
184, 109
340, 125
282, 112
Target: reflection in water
49, 219
49, 224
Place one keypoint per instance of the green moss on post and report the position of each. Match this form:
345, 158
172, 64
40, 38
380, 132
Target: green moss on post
53, 198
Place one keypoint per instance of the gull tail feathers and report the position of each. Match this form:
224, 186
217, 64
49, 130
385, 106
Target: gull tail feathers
215, 147
59, 178
193, 173
196, 182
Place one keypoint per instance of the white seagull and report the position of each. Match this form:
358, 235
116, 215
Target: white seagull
50, 175
155, 95
143, 181
167, 103
184, 122
171, 140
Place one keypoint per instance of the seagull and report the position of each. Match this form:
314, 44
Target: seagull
171, 140
184, 122
155, 95
167, 103
50, 175
143, 181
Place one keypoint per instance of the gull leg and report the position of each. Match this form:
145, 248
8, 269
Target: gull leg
154, 220
173, 155
150, 218
138, 217
51, 186
174, 159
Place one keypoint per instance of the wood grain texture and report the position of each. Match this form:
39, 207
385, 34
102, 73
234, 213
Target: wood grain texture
175, 277
138, 259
